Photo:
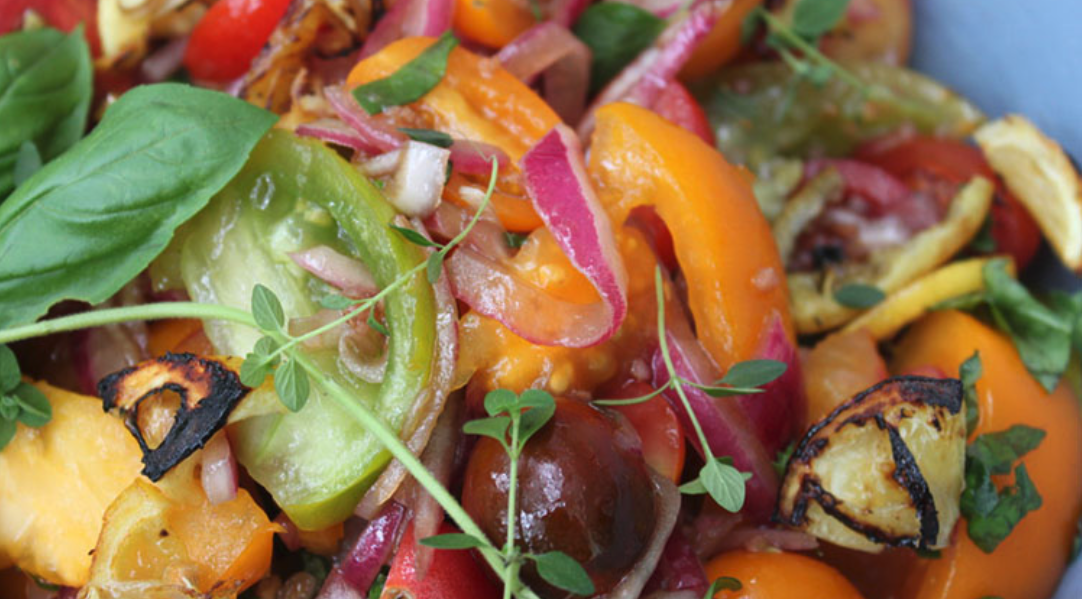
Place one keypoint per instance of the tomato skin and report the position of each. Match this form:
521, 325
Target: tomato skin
450, 574
62, 14
679, 107
925, 163
779, 576
230, 36
662, 437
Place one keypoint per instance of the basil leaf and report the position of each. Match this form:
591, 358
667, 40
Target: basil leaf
7, 432
860, 296
616, 33
988, 530
34, 408
10, 375
291, 385
27, 162
562, 571
452, 540
91, 220
969, 372
753, 373
998, 451
428, 136
813, 18
409, 83
45, 92
1042, 337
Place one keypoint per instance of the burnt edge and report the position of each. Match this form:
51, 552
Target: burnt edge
195, 422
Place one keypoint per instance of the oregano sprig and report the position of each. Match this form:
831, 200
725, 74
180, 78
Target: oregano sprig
718, 477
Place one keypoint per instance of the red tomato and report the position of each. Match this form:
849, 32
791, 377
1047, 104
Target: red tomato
450, 574
62, 14
662, 436
937, 166
230, 36
678, 106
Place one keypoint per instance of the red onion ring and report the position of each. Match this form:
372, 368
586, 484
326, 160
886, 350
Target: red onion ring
376, 136
551, 49
486, 237
779, 409
336, 132
409, 18
219, 472
358, 568
642, 81
347, 274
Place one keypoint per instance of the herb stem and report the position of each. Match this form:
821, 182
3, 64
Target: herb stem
779, 28
512, 503
97, 318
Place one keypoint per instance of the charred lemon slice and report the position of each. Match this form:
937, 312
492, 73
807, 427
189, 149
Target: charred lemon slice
884, 468
1040, 175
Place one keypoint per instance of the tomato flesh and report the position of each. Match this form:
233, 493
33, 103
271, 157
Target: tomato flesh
659, 429
678, 106
230, 36
62, 14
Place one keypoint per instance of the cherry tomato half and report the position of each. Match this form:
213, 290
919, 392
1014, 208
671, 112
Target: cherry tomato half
662, 436
230, 36
62, 14
450, 574
678, 106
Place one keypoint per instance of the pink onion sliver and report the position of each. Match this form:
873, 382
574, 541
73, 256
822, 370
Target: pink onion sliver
551, 49
219, 472
387, 30
726, 427
554, 176
347, 274
336, 587
409, 18
474, 157
642, 81
778, 411
377, 137
335, 132
567, 12
362, 562
290, 534
486, 237
679, 568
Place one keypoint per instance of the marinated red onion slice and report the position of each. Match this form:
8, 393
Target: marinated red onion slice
409, 18
474, 157
551, 49
377, 137
359, 566
347, 274
219, 472
336, 132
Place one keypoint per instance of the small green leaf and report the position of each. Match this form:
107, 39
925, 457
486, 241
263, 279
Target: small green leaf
335, 301
493, 426
819, 75
265, 347
253, 371
27, 162
453, 540
9, 407
541, 406
781, 461
969, 372
377, 325
410, 82
317, 566
34, 408
501, 401
713, 391
616, 33
376, 590
562, 571
858, 295
749, 26
291, 384
753, 373
1000, 450
414, 237
515, 240
988, 530
434, 267
266, 309
7, 431
984, 242
813, 18
725, 583
964, 302
10, 375
428, 136
693, 487
725, 484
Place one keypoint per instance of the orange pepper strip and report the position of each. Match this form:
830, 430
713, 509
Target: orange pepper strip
1029, 563
736, 282
723, 42
492, 23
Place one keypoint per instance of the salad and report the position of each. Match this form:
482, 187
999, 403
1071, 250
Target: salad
450, 299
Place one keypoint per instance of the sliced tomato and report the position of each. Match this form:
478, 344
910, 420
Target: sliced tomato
229, 37
62, 14
662, 436
938, 166
450, 575
678, 106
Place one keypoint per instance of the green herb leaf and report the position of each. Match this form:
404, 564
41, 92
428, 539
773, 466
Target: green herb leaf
749, 26
377, 325
965, 302
1042, 337
7, 432
429, 136
501, 401
753, 373
452, 540
34, 408
859, 296
969, 372
89, 221
9, 407
515, 240
267, 309
725, 583
257, 365
1000, 450
434, 267
410, 82
335, 301
10, 375
813, 18
494, 427
541, 406
414, 237
714, 391
562, 571
317, 566
616, 34
725, 484
995, 521
27, 162
45, 92
983, 242
291, 385
376, 590
781, 461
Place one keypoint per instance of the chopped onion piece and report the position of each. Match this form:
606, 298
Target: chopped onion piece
347, 274
474, 157
381, 165
362, 562
641, 81
219, 473
555, 180
778, 411
679, 568
377, 137
551, 49
334, 131
418, 183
